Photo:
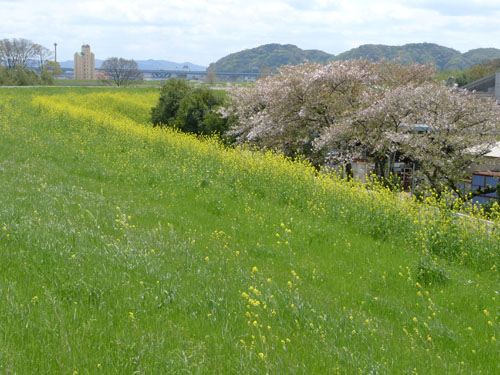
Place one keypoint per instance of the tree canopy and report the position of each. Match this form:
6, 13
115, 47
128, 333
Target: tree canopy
189, 109
358, 109
121, 71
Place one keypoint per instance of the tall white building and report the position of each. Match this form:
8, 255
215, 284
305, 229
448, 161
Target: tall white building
84, 64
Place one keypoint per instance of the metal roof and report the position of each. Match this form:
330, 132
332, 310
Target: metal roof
482, 84
487, 173
495, 151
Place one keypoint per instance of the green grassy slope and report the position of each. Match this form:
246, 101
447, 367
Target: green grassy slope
147, 252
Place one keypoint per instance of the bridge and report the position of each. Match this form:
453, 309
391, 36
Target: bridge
184, 74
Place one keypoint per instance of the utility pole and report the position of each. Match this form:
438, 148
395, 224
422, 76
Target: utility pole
55, 52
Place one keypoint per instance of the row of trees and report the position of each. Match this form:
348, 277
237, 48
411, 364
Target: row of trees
18, 57
358, 109
23, 53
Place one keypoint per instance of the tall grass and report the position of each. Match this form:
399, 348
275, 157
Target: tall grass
129, 249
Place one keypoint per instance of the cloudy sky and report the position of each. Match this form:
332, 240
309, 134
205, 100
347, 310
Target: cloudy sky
202, 31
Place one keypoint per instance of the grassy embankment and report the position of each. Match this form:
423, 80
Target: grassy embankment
144, 84
86, 83
126, 249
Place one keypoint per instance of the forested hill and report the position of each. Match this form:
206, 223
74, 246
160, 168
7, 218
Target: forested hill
444, 57
269, 56
272, 56
478, 55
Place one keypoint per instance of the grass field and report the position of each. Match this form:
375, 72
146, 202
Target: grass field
86, 83
131, 250
142, 84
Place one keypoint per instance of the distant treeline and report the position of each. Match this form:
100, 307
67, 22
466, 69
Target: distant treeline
19, 58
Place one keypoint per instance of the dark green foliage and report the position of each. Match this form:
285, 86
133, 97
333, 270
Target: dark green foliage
19, 77
429, 272
270, 56
171, 95
25, 77
213, 123
191, 110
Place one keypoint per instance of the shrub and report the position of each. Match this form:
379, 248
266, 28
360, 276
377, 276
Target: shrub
172, 92
46, 77
18, 77
27, 77
191, 110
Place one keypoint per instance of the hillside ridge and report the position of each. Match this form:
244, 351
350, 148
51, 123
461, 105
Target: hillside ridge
272, 56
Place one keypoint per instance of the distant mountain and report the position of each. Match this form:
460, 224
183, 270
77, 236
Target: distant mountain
148, 65
275, 55
443, 57
168, 65
478, 55
269, 56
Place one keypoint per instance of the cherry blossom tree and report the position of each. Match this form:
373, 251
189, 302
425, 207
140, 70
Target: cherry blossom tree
443, 131
348, 110
288, 111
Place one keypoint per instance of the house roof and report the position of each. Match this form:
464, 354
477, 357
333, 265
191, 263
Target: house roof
495, 152
482, 84
487, 173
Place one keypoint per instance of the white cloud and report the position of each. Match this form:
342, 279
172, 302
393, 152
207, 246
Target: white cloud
203, 31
